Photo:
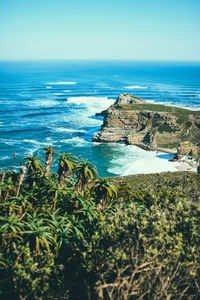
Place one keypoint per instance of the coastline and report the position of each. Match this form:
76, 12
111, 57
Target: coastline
157, 164
63, 114
134, 122
184, 163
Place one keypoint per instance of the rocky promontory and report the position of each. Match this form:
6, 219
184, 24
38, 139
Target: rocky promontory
135, 121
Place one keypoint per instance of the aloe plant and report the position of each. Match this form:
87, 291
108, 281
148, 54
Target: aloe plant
33, 164
49, 159
39, 234
104, 189
85, 172
67, 163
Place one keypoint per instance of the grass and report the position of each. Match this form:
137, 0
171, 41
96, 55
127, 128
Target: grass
181, 112
170, 146
186, 182
165, 128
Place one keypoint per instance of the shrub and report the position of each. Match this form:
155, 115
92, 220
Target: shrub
56, 243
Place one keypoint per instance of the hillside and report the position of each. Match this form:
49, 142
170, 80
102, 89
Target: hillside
187, 183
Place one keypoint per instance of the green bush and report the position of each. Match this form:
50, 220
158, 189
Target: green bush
153, 254
61, 240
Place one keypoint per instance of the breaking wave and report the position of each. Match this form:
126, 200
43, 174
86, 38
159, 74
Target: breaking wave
136, 87
62, 83
43, 103
76, 141
35, 142
62, 129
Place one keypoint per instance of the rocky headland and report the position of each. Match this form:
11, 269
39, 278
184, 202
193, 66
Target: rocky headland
135, 121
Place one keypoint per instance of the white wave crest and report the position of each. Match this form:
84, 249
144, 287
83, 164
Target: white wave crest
61, 129
77, 141
58, 94
4, 157
91, 106
86, 99
10, 142
135, 87
35, 142
48, 87
62, 83
94, 104
43, 103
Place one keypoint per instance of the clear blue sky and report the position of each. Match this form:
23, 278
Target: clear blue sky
100, 29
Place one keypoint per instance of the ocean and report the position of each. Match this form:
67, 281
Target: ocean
54, 103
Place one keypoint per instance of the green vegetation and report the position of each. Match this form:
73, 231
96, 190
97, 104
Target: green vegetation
182, 122
187, 183
181, 112
171, 146
165, 128
181, 115
73, 236
188, 124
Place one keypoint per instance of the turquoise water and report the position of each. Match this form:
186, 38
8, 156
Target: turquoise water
44, 103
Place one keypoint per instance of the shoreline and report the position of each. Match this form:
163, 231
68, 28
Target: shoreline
134, 122
182, 164
132, 160
186, 164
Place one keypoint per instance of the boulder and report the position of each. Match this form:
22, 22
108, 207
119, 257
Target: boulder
187, 149
124, 99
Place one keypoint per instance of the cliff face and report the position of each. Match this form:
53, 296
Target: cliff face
137, 122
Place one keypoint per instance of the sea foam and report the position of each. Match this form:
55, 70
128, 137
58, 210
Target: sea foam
11, 142
45, 103
94, 104
62, 83
135, 87
91, 106
133, 160
4, 157
35, 142
62, 129
76, 141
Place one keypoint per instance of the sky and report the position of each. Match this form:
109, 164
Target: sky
104, 29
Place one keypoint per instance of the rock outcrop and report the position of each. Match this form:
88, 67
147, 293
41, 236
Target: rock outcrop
150, 126
125, 99
187, 149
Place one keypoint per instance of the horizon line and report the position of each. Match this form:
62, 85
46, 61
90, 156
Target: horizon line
98, 59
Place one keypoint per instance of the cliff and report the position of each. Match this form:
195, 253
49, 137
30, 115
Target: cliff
150, 126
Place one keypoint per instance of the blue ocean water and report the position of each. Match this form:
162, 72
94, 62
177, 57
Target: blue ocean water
54, 103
